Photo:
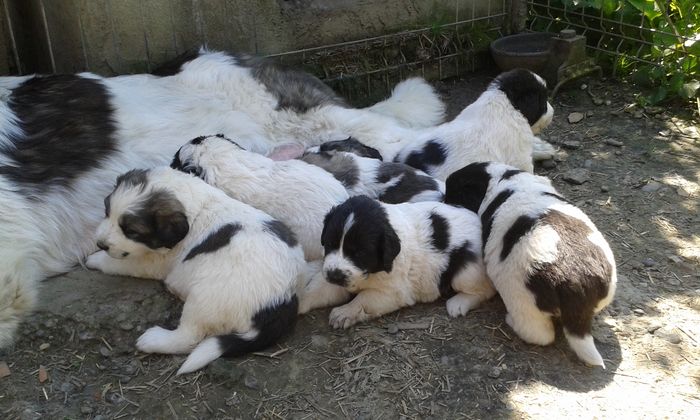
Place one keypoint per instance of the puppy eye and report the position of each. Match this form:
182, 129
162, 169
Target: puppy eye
193, 169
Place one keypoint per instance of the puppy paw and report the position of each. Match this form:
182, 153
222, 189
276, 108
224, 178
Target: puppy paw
346, 316
97, 260
541, 150
154, 340
460, 304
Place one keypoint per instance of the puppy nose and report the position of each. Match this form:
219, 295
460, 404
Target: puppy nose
336, 276
103, 246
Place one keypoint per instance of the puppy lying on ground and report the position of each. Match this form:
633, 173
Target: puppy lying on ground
236, 268
294, 192
545, 256
388, 182
392, 256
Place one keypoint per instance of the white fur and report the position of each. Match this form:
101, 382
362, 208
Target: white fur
414, 103
154, 116
222, 289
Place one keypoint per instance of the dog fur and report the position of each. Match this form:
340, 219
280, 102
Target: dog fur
294, 192
545, 257
236, 268
65, 138
395, 255
388, 182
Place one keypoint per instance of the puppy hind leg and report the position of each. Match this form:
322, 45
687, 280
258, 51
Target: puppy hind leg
531, 324
159, 340
577, 329
473, 287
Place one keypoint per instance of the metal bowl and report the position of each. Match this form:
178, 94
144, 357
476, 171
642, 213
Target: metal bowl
526, 50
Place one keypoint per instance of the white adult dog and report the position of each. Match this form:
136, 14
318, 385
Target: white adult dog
395, 255
294, 192
65, 138
236, 268
544, 255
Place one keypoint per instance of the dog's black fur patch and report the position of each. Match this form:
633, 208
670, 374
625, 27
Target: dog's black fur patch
281, 231
294, 89
432, 154
441, 232
133, 178
336, 276
577, 280
488, 214
509, 174
371, 243
558, 197
351, 145
68, 129
520, 228
215, 241
467, 186
174, 66
272, 322
187, 166
524, 92
159, 222
409, 185
459, 257
341, 166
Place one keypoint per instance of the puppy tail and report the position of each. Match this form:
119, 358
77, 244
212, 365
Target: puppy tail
414, 103
17, 297
585, 349
269, 325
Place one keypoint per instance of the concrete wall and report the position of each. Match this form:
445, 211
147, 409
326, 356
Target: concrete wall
126, 36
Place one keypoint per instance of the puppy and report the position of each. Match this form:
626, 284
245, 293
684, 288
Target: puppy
392, 256
236, 268
388, 182
545, 256
294, 192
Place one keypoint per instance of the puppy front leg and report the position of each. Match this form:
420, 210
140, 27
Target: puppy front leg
320, 294
368, 304
147, 268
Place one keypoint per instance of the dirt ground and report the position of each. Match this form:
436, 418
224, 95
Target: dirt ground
640, 175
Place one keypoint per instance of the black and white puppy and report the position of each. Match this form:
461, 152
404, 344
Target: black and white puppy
294, 192
395, 255
236, 268
388, 182
544, 255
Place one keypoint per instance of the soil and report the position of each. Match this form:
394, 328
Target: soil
640, 175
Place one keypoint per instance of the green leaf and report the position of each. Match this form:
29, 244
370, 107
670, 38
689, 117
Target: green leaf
647, 7
676, 82
690, 89
609, 6
658, 95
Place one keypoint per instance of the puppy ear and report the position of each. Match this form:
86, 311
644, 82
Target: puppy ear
467, 186
389, 248
170, 227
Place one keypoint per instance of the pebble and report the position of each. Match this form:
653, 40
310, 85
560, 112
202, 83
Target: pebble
43, 374
576, 176
584, 86
648, 262
638, 114
613, 142
675, 258
44, 346
495, 372
571, 144
668, 334
682, 192
604, 188
652, 186
126, 326
548, 164
114, 398
575, 117
653, 327
597, 101
608, 102
4, 370
105, 352
250, 382
589, 114
392, 328
638, 311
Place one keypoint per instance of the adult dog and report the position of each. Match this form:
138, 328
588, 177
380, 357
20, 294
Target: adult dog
395, 255
65, 138
236, 268
544, 255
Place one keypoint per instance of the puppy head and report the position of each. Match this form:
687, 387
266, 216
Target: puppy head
203, 156
527, 93
358, 240
140, 219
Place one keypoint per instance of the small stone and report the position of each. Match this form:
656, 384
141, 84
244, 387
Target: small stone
126, 326
648, 262
392, 328
675, 258
604, 188
653, 110
85, 409
597, 101
673, 282
250, 382
4, 370
608, 102
571, 144
653, 327
652, 186
105, 352
43, 374
682, 192
44, 346
638, 114
575, 117
584, 86
86, 335
114, 398
665, 133
613, 142
638, 311
495, 372
548, 164
576, 176
668, 334
589, 114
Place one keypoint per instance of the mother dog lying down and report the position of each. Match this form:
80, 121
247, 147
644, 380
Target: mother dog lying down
65, 138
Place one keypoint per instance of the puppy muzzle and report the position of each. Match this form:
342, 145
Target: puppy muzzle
337, 276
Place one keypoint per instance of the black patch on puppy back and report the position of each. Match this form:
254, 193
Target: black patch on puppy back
133, 178
441, 232
459, 257
558, 197
520, 228
341, 166
68, 129
350, 145
510, 173
158, 222
410, 184
174, 66
524, 92
467, 186
432, 154
488, 215
281, 231
577, 280
215, 241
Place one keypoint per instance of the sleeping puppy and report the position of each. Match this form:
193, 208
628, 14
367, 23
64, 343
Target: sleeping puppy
236, 268
388, 182
294, 192
395, 255
544, 255
499, 126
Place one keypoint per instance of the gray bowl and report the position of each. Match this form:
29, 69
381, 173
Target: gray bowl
526, 50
